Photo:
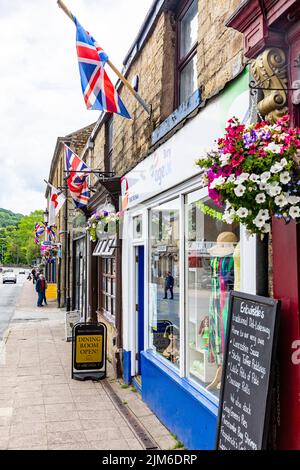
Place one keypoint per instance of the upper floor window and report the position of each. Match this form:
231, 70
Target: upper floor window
108, 144
187, 34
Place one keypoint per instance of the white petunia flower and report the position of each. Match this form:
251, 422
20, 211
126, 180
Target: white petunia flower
242, 177
217, 182
204, 180
281, 200
273, 189
266, 228
242, 212
265, 176
294, 212
273, 147
228, 218
283, 162
259, 221
276, 168
262, 186
255, 178
231, 178
264, 213
285, 177
260, 198
239, 190
293, 199
225, 158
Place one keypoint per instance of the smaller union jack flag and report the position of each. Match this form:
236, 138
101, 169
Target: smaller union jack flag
98, 91
77, 180
39, 230
51, 231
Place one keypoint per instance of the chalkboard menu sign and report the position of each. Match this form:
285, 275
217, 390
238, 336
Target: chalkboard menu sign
247, 372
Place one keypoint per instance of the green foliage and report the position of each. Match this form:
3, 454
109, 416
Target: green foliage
209, 211
9, 218
17, 241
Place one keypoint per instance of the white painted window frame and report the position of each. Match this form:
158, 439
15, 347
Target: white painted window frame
248, 267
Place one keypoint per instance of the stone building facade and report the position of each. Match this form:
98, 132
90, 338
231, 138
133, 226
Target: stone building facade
153, 59
190, 63
122, 146
64, 220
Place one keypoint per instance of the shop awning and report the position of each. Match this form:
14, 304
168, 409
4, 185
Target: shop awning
105, 248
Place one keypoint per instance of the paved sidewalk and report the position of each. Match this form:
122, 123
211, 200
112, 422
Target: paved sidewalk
41, 407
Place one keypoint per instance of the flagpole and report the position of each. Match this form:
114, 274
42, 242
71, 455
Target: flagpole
142, 102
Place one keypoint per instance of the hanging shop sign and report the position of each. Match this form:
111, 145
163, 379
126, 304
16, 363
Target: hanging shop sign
89, 345
247, 372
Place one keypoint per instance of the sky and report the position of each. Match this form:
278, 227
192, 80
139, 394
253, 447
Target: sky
40, 92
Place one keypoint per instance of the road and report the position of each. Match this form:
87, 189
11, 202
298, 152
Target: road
9, 295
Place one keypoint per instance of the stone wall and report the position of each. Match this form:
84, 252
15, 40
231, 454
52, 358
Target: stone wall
219, 60
77, 141
220, 49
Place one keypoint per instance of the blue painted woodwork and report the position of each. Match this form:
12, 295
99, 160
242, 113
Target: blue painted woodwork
187, 412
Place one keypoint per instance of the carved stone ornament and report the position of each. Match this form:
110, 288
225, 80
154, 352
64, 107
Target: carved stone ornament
269, 72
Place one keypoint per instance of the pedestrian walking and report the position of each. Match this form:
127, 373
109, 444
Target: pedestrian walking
169, 284
33, 272
40, 287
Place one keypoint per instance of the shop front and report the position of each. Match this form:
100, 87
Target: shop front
78, 268
49, 252
182, 264
104, 267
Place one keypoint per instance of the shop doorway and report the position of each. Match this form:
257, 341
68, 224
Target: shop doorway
79, 276
139, 309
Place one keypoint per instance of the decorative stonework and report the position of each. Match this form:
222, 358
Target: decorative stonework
269, 72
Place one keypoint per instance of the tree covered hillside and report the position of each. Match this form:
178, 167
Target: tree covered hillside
9, 218
17, 239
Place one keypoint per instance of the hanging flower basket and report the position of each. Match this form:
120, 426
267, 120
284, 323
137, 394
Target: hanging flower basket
103, 222
98, 216
253, 173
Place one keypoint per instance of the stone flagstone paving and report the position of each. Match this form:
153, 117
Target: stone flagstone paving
41, 407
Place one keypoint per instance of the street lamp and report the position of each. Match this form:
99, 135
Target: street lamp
46, 214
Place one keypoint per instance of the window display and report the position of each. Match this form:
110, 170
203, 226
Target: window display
212, 261
164, 281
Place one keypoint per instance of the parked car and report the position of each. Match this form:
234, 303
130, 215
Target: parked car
22, 271
9, 276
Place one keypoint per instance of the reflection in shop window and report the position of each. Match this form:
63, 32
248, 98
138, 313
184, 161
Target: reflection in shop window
212, 270
164, 281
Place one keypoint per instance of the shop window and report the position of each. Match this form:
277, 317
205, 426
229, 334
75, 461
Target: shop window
137, 227
187, 35
108, 287
212, 270
164, 295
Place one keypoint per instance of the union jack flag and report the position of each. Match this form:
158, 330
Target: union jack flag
51, 231
77, 182
39, 230
98, 91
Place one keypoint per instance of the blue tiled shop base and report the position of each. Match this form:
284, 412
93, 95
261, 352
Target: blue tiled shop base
127, 367
186, 412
